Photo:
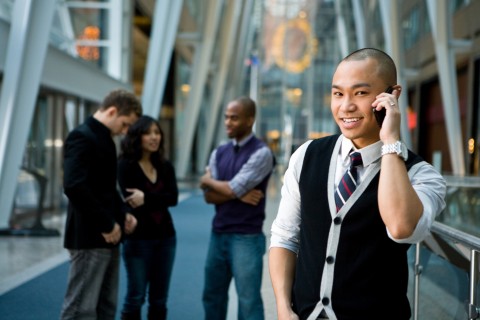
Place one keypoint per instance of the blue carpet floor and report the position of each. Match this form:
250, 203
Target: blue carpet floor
41, 298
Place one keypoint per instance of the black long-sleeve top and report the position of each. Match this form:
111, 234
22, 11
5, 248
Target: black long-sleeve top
153, 217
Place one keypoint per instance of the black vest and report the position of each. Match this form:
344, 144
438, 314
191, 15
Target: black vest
371, 271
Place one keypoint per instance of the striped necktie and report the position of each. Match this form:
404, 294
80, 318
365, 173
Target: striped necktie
348, 184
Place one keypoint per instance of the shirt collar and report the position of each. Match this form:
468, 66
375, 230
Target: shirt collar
244, 141
370, 153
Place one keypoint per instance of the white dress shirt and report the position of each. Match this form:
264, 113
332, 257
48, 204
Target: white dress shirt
427, 182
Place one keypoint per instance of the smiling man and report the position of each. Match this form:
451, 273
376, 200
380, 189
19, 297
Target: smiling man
352, 204
236, 182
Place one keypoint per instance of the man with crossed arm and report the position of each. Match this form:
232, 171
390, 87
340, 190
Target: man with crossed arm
236, 182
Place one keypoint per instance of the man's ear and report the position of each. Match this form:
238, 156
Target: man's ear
251, 121
111, 111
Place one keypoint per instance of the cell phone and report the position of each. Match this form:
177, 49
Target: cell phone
380, 115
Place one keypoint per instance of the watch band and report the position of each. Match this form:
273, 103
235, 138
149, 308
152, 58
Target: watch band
390, 148
398, 148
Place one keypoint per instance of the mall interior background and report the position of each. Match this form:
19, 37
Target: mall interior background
186, 59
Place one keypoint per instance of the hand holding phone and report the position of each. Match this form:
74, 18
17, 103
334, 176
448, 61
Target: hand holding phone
380, 114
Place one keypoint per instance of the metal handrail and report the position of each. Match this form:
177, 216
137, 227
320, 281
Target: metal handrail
467, 240
462, 181
456, 235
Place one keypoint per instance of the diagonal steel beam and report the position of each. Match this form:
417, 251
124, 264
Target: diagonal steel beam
26, 51
445, 54
198, 79
162, 42
228, 40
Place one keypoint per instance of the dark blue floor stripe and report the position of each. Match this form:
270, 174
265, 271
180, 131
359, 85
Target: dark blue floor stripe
41, 298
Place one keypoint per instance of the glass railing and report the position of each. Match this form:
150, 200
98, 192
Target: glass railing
445, 267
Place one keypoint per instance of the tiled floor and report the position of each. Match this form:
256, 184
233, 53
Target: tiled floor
23, 258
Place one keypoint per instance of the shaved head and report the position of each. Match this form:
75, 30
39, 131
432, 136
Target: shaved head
248, 106
386, 66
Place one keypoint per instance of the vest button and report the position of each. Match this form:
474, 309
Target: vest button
325, 301
337, 220
330, 259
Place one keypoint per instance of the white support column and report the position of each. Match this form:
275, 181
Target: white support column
235, 80
440, 21
393, 46
201, 65
228, 40
342, 30
66, 26
26, 50
115, 39
359, 20
243, 47
164, 31
311, 73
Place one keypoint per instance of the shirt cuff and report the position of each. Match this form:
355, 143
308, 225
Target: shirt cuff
422, 230
281, 239
277, 242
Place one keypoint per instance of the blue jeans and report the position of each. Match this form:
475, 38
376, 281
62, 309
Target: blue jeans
149, 263
92, 284
239, 256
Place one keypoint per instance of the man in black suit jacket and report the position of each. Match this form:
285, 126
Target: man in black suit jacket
94, 220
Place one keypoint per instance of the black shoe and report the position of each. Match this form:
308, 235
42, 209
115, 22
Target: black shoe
137, 315
157, 314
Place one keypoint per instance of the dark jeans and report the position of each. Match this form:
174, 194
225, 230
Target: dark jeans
92, 285
240, 256
149, 263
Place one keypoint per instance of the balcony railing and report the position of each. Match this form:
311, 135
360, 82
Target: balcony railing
456, 239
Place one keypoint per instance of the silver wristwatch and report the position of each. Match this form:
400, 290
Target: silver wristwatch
398, 147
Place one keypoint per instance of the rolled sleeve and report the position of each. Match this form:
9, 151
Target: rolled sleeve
431, 189
258, 166
212, 164
285, 229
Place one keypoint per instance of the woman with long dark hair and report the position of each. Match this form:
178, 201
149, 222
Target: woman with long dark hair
149, 186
